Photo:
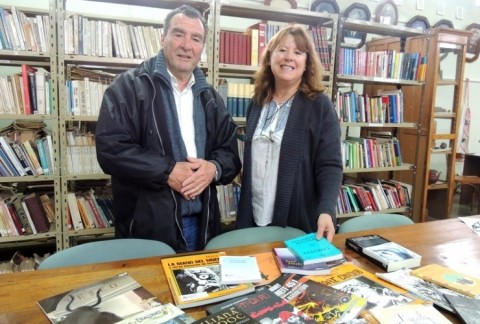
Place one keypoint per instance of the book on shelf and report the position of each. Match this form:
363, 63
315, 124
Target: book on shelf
37, 213
194, 280
386, 254
415, 313
165, 313
468, 309
112, 299
320, 302
423, 289
264, 306
357, 281
288, 263
236, 269
310, 250
449, 278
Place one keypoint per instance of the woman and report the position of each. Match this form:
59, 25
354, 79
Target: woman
292, 164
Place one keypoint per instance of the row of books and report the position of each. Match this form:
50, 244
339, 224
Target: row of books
228, 197
81, 153
110, 39
384, 64
28, 92
247, 48
238, 98
19, 32
29, 157
371, 152
87, 210
373, 196
386, 107
26, 214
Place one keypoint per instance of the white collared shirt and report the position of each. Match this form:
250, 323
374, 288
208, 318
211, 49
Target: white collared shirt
184, 105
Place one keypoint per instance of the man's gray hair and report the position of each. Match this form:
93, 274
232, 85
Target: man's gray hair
189, 12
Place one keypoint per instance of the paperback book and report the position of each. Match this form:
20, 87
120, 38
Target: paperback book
449, 278
231, 315
194, 280
308, 249
264, 306
419, 287
321, 302
268, 267
416, 313
113, 299
166, 313
288, 263
239, 269
388, 255
467, 308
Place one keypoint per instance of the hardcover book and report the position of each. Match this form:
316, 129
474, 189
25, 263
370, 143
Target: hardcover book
449, 278
388, 255
108, 300
419, 287
322, 303
417, 313
288, 263
468, 309
239, 269
266, 307
194, 280
310, 250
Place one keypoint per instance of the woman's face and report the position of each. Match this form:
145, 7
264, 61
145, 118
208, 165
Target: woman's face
288, 62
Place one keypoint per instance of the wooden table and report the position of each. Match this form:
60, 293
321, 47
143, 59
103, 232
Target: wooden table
449, 242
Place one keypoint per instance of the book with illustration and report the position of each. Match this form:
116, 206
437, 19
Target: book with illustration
413, 313
194, 280
308, 249
386, 254
449, 278
115, 299
321, 302
468, 309
288, 263
269, 270
165, 313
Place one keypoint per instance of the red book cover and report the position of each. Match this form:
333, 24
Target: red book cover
222, 47
26, 89
37, 213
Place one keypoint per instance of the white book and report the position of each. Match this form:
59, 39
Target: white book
74, 212
11, 155
239, 269
41, 91
29, 217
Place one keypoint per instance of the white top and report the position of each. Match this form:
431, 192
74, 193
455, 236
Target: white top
184, 105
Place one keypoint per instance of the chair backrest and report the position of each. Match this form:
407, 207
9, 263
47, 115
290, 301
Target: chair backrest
253, 235
373, 221
106, 251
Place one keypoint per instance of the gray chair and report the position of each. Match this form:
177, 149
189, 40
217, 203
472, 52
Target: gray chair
253, 235
372, 221
106, 251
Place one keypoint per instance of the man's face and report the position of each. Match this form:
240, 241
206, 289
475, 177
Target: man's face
183, 45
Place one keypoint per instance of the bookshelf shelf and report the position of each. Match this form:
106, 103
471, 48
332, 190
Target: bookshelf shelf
403, 167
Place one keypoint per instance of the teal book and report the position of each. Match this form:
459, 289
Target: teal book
311, 250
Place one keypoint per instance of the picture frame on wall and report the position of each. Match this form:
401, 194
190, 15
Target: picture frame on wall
387, 13
356, 11
327, 6
419, 22
473, 47
285, 4
443, 23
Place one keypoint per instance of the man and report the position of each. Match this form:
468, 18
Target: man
166, 139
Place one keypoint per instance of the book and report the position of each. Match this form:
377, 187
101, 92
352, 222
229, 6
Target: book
320, 302
449, 278
468, 309
388, 255
166, 313
194, 280
236, 269
268, 267
37, 213
310, 250
423, 289
288, 263
265, 306
231, 314
378, 293
108, 300
417, 313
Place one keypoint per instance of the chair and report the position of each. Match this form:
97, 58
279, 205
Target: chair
470, 181
253, 235
373, 221
106, 251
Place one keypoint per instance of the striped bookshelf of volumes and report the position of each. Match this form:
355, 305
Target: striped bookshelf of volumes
372, 101
28, 137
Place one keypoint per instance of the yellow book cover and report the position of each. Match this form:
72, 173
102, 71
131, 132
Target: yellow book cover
194, 280
268, 267
449, 278
357, 281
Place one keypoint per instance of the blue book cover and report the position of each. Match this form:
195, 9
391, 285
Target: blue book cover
310, 250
